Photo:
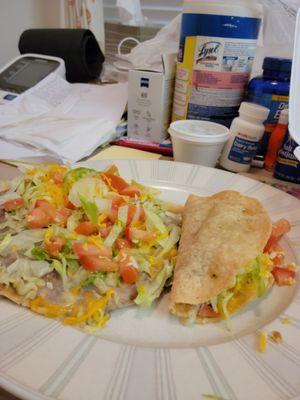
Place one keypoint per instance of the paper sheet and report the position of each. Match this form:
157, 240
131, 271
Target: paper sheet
119, 152
59, 120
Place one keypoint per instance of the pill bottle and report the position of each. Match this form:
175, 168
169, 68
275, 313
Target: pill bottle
287, 167
245, 134
276, 139
271, 90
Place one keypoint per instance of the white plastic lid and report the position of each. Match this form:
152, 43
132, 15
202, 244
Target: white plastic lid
199, 131
255, 111
284, 117
251, 8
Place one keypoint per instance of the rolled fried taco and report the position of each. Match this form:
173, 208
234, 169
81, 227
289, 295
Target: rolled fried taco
221, 265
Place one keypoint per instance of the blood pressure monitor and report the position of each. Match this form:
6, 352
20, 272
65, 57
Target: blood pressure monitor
26, 71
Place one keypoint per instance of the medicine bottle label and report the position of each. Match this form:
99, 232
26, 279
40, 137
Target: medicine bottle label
288, 167
242, 150
275, 103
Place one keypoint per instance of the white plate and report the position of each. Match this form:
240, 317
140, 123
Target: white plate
149, 355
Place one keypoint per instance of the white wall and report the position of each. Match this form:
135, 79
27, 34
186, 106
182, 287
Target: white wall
18, 15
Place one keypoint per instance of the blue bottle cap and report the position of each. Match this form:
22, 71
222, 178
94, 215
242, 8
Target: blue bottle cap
278, 64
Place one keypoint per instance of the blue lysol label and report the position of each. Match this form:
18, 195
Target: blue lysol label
242, 150
222, 26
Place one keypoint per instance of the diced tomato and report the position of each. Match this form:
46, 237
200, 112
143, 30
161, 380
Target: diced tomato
55, 245
283, 275
86, 228
117, 183
111, 170
137, 215
279, 229
270, 244
70, 205
116, 199
122, 244
113, 215
57, 178
94, 263
206, 311
13, 204
104, 232
48, 208
131, 213
61, 216
82, 250
38, 218
41, 203
131, 191
138, 234
278, 259
128, 273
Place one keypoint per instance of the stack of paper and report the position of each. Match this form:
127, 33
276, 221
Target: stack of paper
59, 121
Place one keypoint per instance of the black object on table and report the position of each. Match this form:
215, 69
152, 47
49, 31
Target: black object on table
77, 47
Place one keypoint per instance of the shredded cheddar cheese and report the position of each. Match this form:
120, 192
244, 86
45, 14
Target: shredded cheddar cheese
285, 321
91, 307
262, 341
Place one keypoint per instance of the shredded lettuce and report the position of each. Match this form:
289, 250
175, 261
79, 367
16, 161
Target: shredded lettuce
25, 276
89, 188
5, 243
90, 209
74, 220
70, 258
149, 291
39, 253
115, 232
154, 222
61, 268
89, 280
258, 272
170, 241
223, 300
24, 267
11, 223
123, 214
75, 175
102, 281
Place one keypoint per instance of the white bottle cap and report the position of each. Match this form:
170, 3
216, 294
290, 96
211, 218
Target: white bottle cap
255, 111
284, 117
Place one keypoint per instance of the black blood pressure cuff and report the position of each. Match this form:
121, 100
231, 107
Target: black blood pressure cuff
77, 47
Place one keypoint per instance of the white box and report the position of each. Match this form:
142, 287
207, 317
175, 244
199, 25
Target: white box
150, 97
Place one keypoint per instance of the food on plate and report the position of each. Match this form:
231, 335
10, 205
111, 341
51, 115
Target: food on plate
262, 341
76, 244
228, 256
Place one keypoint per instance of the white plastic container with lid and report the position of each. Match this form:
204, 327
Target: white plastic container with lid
198, 142
245, 134
217, 48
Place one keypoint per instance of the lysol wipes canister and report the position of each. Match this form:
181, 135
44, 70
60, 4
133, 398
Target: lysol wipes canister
216, 53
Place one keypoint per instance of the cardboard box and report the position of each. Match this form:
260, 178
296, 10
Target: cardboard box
150, 97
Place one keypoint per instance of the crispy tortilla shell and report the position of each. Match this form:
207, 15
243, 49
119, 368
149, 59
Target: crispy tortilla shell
220, 234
